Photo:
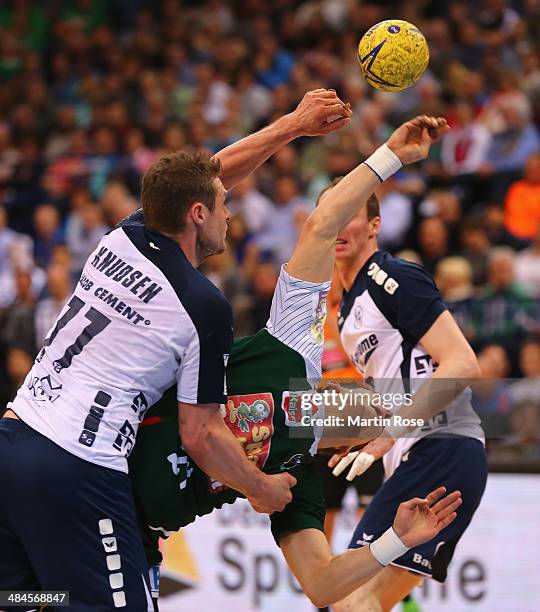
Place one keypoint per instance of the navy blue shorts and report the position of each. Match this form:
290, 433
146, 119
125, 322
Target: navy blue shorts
69, 525
454, 463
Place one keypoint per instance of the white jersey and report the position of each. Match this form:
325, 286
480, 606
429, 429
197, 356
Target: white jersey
297, 318
390, 306
140, 320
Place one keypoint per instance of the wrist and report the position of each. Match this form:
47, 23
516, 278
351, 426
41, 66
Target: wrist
256, 486
388, 547
384, 162
290, 127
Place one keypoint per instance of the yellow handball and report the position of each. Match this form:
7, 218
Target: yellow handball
393, 55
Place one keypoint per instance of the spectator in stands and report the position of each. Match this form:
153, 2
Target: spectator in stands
503, 312
280, 237
465, 147
528, 266
432, 242
255, 208
48, 233
528, 388
491, 394
48, 308
475, 246
522, 206
84, 229
397, 212
454, 277
17, 321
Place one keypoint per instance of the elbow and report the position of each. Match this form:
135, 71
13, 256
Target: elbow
465, 365
470, 367
321, 225
195, 440
317, 598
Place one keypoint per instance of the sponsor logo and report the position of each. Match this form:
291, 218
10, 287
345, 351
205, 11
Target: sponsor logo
249, 417
365, 350
377, 274
45, 388
140, 405
419, 560
366, 539
291, 404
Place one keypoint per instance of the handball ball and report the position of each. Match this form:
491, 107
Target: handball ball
393, 55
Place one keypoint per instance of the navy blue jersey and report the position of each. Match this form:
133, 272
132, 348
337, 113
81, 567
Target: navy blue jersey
390, 306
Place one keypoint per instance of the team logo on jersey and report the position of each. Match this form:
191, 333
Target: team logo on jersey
291, 404
44, 388
358, 314
292, 462
317, 325
249, 417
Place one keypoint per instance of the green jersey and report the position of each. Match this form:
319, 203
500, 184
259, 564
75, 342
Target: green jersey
171, 490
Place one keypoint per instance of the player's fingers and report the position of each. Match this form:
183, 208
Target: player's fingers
334, 125
360, 465
415, 502
443, 512
449, 519
446, 501
333, 107
291, 480
435, 495
345, 462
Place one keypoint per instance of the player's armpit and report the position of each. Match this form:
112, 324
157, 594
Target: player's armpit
326, 579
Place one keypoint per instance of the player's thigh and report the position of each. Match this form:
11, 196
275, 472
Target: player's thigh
16, 572
382, 592
77, 524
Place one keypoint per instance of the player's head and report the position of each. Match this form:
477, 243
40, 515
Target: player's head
361, 233
182, 192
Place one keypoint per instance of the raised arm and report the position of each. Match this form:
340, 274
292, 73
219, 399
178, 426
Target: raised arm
313, 258
310, 118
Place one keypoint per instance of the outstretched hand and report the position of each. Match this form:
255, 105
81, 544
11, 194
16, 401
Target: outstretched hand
419, 520
411, 141
321, 112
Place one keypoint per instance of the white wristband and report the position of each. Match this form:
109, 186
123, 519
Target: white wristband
384, 162
388, 547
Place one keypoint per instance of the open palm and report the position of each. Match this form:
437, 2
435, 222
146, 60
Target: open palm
421, 519
411, 141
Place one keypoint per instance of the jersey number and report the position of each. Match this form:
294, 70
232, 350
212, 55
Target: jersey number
98, 322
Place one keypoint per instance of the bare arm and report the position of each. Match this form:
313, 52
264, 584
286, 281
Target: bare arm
217, 452
309, 119
457, 369
313, 257
326, 579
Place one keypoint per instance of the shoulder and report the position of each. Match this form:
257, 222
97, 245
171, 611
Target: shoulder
394, 276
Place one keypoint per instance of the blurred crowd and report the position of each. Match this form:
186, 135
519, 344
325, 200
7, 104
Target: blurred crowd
93, 91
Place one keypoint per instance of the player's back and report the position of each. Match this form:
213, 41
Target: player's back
119, 342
